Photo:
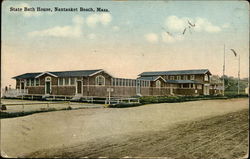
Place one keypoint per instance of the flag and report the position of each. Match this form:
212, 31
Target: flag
235, 54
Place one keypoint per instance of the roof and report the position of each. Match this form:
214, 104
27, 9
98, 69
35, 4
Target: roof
27, 75
151, 78
177, 72
78, 73
183, 81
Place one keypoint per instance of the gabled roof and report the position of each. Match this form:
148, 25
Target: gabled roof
151, 78
27, 75
183, 81
78, 73
177, 72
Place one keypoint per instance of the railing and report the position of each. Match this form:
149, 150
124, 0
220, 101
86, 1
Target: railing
14, 92
43, 106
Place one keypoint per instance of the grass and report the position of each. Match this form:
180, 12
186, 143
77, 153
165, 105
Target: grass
177, 99
174, 99
220, 137
19, 114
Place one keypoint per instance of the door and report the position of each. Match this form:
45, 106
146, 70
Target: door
22, 85
47, 88
79, 87
171, 89
138, 88
206, 90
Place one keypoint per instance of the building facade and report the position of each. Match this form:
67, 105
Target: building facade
99, 83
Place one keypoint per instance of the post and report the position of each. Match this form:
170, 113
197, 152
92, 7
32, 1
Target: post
109, 94
239, 77
223, 76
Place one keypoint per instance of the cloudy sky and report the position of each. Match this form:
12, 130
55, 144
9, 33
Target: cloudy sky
131, 38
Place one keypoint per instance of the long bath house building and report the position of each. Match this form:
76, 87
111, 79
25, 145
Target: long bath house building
99, 83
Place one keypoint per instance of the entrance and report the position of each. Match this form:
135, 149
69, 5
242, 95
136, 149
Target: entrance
206, 90
79, 87
138, 88
47, 88
22, 85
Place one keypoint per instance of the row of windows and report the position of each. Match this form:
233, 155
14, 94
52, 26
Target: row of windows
184, 77
187, 85
66, 81
32, 82
129, 82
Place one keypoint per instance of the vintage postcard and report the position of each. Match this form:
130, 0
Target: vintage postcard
125, 79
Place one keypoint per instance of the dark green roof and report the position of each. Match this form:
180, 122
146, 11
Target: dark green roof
27, 75
78, 73
178, 72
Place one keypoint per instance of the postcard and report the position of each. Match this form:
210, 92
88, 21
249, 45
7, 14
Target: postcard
125, 79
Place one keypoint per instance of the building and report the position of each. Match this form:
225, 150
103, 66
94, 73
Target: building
182, 82
99, 83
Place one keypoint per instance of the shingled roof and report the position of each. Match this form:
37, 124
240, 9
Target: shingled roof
177, 72
183, 81
78, 73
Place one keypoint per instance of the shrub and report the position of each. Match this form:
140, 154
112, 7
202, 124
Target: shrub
124, 105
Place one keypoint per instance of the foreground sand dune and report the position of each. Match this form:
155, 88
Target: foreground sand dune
23, 135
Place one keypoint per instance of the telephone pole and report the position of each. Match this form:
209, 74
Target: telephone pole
239, 76
223, 77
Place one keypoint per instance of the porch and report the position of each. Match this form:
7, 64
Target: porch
13, 93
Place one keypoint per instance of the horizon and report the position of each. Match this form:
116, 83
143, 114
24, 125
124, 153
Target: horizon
131, 38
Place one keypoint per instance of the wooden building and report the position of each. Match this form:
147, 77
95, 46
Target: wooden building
183, 82
99, 83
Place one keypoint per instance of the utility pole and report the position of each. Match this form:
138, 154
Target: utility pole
239, 76
223, 90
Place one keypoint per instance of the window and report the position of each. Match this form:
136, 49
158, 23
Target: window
32, 82
100, 80
116, 82
37, 82
185, 85
192, 85
178, 77
66, 81
158, 84
27, 82
48, 79
60, 81
72, 81
199, 86
171, 77
206, 77
192, 77
185, 77
134, 83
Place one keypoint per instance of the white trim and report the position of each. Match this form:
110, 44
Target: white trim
48, 78
45, 87
46, 73
59, 81
77, 80
97, 82
100, 72
161, 78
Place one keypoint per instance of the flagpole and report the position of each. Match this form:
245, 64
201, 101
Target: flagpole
223, 90
239, 76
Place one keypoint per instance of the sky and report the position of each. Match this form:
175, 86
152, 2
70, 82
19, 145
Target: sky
132, 37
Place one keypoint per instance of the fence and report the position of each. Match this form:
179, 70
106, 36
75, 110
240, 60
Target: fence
14, 92
44, 106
